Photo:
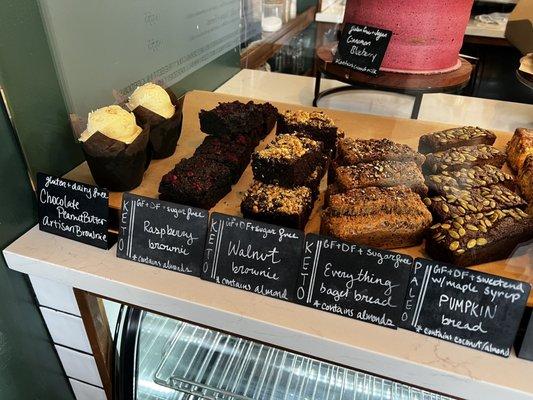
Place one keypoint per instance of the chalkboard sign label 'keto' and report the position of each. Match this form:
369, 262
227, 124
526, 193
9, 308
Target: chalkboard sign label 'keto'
73, 210
164, 235
465, 307
362, 48
253, 256
357, 282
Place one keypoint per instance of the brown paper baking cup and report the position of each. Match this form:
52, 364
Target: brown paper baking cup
115, 165
164, 133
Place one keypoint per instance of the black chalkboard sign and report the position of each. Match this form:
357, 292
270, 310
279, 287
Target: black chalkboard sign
73, 210
362, 48
465, 307
354, 281
162, 234
253, 256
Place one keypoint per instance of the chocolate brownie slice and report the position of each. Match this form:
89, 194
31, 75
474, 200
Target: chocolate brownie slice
313, 180
385, 217
469, 178
289, 207
381, 174
196, 182
287, 161
455, 137
463, 157
354, 151
233, 154
232, 119
312, 124
270, 116
459, 202
479, 238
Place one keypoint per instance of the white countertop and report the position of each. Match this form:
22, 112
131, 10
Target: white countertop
401, 355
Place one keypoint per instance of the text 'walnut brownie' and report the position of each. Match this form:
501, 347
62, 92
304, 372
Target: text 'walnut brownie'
519, 147
455, 137
287, 161
382, 174
463, 157
479, 238
289, 207
469, 178
312, 124
354, 151
459, 202
386, 217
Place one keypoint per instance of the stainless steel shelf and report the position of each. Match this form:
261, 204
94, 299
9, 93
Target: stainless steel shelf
204, 364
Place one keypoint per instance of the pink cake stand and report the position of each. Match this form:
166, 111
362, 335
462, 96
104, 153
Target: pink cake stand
413, 84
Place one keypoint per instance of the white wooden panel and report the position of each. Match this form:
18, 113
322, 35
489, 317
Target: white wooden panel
54, 295
83, 391
66, 329
79, 366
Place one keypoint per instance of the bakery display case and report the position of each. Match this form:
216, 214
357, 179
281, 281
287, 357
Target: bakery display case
162, 358
261, 247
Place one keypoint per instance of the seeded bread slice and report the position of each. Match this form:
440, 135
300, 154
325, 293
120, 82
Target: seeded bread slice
463, 157
455, 137
385, 217
469, 178
479, 238
381, 174
354, 151
461, 202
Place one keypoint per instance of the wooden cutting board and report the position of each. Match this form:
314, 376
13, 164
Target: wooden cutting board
407, 131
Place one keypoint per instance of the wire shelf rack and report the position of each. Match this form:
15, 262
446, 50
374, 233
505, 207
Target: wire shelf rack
210, 365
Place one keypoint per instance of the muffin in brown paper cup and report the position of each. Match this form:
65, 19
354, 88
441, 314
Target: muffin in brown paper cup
164, 132
116, 165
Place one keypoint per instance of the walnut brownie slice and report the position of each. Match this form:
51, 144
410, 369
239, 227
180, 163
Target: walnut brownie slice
315, 125
287, 161
274, 204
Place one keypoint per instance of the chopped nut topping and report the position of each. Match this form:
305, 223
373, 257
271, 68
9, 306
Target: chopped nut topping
316, 118
288, 147
273, 198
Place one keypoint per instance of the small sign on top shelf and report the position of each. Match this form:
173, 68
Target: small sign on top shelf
253, 256
362, 48
465, 307
73, 210
353, 281
162, 234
